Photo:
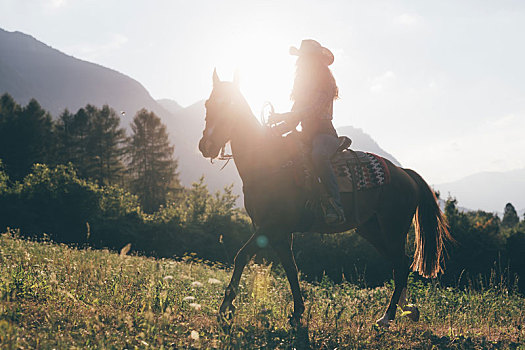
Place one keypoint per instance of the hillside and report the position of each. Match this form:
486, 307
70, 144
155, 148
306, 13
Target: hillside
32, 69
171, 106
52, 296
488, 191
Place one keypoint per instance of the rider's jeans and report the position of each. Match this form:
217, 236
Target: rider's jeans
324, 147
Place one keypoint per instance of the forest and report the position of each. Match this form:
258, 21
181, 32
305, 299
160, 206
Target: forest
82, 180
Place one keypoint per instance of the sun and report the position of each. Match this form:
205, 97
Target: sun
265, 68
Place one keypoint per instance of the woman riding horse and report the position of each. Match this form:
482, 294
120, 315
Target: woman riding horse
276, 203
314, 92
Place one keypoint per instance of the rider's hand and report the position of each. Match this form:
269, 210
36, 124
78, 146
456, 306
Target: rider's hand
280, 129
275, 118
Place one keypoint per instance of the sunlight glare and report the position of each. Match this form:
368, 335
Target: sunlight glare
266, 69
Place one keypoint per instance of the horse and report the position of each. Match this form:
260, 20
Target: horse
276, 205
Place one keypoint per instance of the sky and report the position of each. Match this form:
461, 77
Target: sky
438, 84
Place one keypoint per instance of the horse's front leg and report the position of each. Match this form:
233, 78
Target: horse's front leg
283, 248
244, 255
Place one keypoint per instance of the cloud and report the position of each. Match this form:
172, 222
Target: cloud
379, 83
504, 121
57, 3
409, 20
340, 54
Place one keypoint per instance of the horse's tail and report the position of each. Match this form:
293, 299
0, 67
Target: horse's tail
431, 230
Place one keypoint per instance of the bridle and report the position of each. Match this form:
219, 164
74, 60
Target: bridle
224, 156
267, 107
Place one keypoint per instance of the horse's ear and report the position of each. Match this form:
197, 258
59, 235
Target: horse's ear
236, 78
216, 79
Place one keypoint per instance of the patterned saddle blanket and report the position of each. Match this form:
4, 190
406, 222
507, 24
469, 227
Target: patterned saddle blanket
358, 171
354, 170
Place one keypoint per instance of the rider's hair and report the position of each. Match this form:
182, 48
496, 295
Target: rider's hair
312, 73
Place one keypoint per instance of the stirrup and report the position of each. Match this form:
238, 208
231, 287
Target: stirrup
334, 214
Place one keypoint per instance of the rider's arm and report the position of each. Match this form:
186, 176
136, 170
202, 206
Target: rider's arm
317, 106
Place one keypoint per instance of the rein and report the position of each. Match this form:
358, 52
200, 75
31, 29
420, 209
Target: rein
264, 120
224, 156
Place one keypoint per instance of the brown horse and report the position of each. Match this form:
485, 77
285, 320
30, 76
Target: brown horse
276, 204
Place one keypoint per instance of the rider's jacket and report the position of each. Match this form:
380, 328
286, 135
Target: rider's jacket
314, 110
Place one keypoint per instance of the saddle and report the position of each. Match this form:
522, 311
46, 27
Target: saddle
354, 170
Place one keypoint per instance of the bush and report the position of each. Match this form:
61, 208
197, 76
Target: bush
54, 201
51, 201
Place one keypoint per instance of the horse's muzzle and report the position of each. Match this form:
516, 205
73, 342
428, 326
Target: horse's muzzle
208, 149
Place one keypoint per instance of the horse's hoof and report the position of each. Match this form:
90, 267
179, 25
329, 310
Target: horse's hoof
383, 322
225, 315
413, 312
225, 321
224, 324
294, 320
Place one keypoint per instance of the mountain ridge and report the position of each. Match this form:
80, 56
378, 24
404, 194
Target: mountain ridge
488, 190
361, 141
32, 69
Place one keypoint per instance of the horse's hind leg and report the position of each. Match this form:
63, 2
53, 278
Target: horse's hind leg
241, 259
390, 244
400, 267
399, 297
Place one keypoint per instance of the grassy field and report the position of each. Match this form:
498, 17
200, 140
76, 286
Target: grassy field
52, 296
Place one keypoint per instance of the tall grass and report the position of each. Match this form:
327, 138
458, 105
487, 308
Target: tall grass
52, 296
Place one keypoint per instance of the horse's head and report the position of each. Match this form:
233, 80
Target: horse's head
220, 113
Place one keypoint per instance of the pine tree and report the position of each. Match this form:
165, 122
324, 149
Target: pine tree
510, 216
93, 141
26, 135
105, 145
9, 111
152, 167
65, 138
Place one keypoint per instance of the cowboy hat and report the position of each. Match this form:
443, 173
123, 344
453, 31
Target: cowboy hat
311, 47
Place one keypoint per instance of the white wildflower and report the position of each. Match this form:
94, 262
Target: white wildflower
194, 335
168, 277
189, 298
214, 281
196, 306
196, 284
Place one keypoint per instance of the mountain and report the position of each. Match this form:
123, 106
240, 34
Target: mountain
32, 69
170, 105
363, 142
488, 191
